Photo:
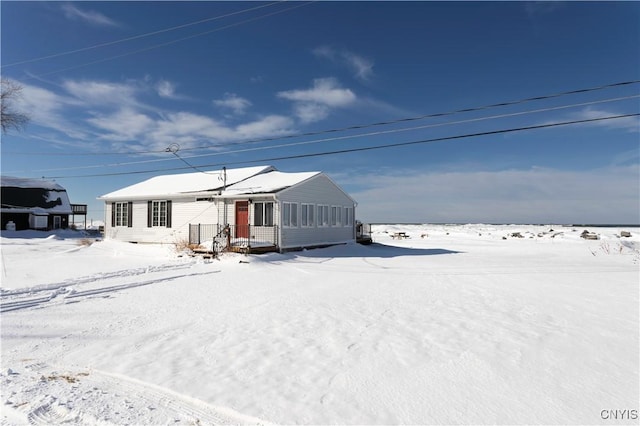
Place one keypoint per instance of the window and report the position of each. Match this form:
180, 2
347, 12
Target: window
323, 215
348, 216
159, 213
336, 215
268, 214
121, 214
307, 219
290, 215
263, 214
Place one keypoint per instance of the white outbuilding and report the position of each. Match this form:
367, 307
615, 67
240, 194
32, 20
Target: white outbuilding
251, 208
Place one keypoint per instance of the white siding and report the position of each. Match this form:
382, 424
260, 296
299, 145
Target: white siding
183, 212
319, 190
228, 217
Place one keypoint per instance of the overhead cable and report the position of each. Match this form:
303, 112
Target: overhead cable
316, 141
369, 148
139, 36
362, 126
133, 52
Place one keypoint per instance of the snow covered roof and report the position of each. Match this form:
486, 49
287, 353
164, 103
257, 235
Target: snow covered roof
17, 182
270, 182
185, 183
23, 195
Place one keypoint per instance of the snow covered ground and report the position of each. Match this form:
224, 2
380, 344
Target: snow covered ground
458, 324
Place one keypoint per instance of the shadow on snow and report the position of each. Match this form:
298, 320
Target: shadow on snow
376, 250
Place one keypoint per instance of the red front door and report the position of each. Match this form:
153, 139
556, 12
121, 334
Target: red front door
242, 219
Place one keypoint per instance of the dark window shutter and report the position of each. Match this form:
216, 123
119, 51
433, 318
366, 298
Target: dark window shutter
130, 214
168, 213
113, 215
149, 214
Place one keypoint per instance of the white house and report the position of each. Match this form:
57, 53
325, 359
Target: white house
252, 207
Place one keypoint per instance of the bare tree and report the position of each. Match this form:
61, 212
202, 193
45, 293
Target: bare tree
10, 118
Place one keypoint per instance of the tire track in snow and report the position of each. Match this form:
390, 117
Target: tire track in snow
71, 297
180, 403
88, 396
93, 278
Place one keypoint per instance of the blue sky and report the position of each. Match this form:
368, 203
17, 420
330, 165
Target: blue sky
110, 85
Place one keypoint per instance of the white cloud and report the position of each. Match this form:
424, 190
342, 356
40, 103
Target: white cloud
631, 124
325, 91
233, 102
535, 8
310, 112
361, 67
180, 124
89, 16
314, 104
125, 124
46, 108
187, 128
271, 125
609, 195
325, 52
165, 89
101, 92
90, 113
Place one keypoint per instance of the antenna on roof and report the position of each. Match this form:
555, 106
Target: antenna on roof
174, 148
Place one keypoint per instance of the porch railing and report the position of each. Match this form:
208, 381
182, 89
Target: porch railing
221, 237
79, 209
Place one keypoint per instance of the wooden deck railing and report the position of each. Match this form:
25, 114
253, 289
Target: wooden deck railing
79, 208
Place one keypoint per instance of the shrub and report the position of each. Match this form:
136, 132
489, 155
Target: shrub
184, 245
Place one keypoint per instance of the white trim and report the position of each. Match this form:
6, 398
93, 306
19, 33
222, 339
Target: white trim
123, 216
310, 214
153, 217
289, 215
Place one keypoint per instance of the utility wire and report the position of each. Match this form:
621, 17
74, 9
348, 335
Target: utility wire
370, 148
361, 126
426, 126
442, 114
133, 52
136, 37
173, 148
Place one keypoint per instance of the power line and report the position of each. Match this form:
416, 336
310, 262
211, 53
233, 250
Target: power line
427, 126
370, 148
361, 126
442, 114
139, 36
98, 61
173, 148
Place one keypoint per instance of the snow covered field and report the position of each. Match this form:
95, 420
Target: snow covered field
454, 325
